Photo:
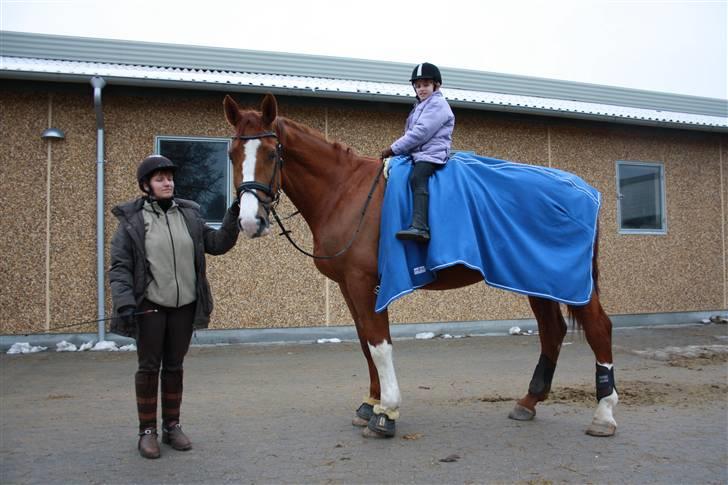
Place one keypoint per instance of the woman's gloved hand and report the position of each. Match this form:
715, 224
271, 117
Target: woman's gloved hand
127, 314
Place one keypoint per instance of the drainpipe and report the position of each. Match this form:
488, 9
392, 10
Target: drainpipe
98, 84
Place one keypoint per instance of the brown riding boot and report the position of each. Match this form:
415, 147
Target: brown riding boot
148, 445
146, 385
175, 437
172, 433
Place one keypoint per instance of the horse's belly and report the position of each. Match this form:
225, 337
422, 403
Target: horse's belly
454, 277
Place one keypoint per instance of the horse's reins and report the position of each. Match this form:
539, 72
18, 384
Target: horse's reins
274, 197
115, 317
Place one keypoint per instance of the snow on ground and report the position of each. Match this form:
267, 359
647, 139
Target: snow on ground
63, 346
25, 348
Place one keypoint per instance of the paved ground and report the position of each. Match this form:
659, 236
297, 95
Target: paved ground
281, 414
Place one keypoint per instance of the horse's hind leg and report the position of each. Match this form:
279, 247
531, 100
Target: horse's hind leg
598, 330
551, 331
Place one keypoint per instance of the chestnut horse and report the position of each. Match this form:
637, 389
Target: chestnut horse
338, 194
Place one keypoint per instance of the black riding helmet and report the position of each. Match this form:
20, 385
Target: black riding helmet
151, 164
426, 71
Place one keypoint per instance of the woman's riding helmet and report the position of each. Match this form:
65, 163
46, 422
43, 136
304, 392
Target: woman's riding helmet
426, 71
152, 164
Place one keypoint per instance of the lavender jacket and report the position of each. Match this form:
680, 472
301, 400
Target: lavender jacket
428, 131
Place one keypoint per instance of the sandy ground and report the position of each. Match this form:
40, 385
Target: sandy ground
281, 414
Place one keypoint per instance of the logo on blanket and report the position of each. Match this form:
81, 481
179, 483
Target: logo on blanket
419, 270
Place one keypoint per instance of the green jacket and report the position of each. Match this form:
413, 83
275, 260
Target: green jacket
129, 273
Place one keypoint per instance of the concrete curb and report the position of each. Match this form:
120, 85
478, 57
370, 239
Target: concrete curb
348, 332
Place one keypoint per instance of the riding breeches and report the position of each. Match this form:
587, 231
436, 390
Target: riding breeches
420, 176
164, 337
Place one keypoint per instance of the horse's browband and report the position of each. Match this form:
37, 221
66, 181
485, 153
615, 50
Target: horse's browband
265, 134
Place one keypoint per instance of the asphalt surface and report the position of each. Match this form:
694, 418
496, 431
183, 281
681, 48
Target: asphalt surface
281, 414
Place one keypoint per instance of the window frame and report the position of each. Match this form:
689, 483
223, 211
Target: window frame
158, 139
663, 197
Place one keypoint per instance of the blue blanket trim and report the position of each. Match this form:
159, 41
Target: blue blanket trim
526, 228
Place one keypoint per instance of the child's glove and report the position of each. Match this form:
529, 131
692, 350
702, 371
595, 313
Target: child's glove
386, 153
385, 170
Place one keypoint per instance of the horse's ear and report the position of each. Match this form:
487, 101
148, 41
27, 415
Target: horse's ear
269, 108
232, 110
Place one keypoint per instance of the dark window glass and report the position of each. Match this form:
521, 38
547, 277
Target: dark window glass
641, 197
202, 173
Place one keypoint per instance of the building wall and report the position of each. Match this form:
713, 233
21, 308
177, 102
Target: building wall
265, 282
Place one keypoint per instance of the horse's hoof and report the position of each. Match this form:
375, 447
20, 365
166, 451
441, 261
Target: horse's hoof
521, 413
601, 428
381, 425
357, 421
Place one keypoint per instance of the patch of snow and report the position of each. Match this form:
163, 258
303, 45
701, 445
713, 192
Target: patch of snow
328, 340
105, 345
86, 346
25, 348
64, 346
425, 335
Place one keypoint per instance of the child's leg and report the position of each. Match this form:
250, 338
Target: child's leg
419, 229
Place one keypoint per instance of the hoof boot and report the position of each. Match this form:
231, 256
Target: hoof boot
382, 425
363, 415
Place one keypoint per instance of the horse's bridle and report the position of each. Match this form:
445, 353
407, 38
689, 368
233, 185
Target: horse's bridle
274, 195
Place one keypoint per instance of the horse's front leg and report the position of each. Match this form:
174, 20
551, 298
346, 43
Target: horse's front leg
381, 410
366, 409
551, 332
598, 329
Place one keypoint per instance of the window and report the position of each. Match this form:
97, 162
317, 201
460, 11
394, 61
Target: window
203, 172
641, 198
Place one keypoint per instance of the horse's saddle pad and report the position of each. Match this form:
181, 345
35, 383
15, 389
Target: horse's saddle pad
526, 228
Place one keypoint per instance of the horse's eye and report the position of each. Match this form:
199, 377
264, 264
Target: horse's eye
271, 156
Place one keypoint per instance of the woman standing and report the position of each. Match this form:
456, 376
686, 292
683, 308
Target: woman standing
160, 291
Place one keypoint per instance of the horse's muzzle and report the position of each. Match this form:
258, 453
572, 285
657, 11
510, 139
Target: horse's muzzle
254, 227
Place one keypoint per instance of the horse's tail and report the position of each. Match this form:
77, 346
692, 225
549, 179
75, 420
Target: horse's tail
595, 261
571, 309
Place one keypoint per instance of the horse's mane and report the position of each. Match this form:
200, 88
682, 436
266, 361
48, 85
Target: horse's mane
337, 146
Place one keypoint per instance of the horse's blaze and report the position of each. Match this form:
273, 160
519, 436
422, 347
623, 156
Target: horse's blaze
250, 219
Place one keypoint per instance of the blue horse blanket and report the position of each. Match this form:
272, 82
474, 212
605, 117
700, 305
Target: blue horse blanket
526, 228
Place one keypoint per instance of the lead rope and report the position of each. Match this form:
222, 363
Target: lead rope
287, 233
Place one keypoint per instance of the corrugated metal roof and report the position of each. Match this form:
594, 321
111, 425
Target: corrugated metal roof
60, 58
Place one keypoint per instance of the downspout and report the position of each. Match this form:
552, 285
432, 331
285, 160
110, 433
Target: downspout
98, 84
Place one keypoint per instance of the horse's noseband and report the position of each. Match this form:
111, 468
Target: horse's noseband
253, 186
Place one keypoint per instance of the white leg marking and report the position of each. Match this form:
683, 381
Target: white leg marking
248, 219
382, 356
605, 409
